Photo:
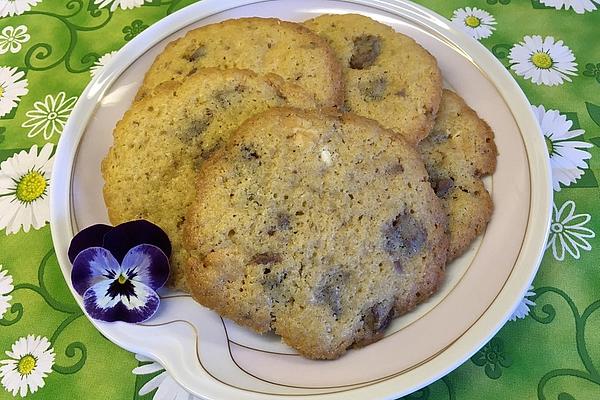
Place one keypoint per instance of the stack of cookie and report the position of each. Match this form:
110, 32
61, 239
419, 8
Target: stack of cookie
314, 178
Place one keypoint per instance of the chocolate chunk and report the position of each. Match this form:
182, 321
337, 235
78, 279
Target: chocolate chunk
196, 127
198, 53
273, 280
365, 52
282, 223
374, 90
404, 236
395, 169
378, 317
401, 93
438, 137
442, 187
329, 289
249, 153
265, 258
224, 97
398, 267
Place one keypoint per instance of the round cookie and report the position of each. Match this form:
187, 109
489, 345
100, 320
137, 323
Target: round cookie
320, 227
387, 75
263, 45
161, 141
457, 153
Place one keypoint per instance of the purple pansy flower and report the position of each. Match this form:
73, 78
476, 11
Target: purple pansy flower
118, 270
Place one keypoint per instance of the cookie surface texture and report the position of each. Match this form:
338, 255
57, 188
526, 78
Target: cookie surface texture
320, 227
459, 151
387, 75
162, 140
263, 45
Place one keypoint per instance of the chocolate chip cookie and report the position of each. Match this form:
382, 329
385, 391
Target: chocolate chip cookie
320, 227
458, 152
263, 45
163, 139
387, 76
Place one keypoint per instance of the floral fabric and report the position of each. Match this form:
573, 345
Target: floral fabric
49, 51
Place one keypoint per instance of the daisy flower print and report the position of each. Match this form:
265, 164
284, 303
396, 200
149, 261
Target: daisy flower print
544, 61
477, 23
568, 159
29, 362
579, 6
24, 185
12, 87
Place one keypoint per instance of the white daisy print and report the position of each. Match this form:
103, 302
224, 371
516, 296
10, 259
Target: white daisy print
579, 6
165, 386
12, 39
567, 159
568, 233
6, 286
543, 60
101, 62
12, 88
49, 116
124, 4
30, 362
8, 8
24, 184
524, 306
477, 23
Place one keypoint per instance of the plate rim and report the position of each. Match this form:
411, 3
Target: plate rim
534, 240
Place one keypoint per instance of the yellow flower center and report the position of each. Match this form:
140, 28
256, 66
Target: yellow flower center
1, 91
542, 60
122, 279
472, 21
26, 365
31, 187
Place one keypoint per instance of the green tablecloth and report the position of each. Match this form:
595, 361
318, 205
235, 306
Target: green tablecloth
50, 49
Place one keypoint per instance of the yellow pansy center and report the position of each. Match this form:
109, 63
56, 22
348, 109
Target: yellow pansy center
1, 91
122, 279
26, 364
31, 187
472, 21
542, 60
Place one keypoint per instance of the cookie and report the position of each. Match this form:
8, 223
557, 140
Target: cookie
387, 76
263, 45
162, 140
458, 152
320, 227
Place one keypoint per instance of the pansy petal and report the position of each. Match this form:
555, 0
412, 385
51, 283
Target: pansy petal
129, 234
148, 264
92, 236
92, 265
96, 305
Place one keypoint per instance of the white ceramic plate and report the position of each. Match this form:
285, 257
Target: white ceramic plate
215, 359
